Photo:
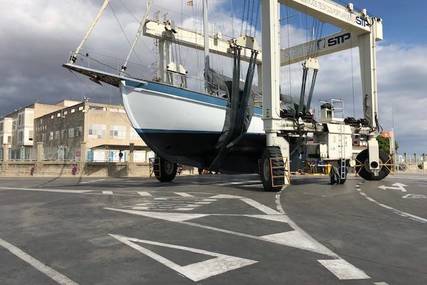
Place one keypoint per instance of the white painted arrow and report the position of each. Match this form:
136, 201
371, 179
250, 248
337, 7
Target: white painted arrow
397, 186
197, 271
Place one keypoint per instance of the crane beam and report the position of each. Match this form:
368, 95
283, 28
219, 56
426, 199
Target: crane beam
191, 39
321, 47
317, 48
331, 12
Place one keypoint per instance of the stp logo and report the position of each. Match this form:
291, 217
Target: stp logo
338, 40
362, 22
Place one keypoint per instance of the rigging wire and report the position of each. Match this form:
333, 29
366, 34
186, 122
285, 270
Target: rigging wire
123, 31
243, 18
257, 18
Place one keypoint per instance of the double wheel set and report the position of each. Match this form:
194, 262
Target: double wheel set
273, 170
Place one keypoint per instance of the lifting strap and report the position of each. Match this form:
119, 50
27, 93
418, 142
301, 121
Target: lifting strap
239, 110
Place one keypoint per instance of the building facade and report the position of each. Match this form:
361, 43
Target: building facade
91, 132
17, 129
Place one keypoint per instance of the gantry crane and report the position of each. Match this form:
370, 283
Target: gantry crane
358, 30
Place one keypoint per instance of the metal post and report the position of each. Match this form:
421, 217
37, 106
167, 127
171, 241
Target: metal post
368, 67
270, 68
206, 38
164, 52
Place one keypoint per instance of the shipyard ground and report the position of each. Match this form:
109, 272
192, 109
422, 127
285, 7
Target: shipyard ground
213, 230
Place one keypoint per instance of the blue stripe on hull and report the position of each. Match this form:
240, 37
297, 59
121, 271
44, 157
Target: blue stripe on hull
184, 93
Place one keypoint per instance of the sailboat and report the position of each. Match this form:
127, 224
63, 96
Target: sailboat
184, 126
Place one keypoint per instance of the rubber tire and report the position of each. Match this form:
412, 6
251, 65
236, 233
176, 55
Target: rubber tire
363, 157
265, 171
335, 179
168, 170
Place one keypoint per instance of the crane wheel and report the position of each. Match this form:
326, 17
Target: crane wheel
164, 170
272, 169
363, 170
336, 175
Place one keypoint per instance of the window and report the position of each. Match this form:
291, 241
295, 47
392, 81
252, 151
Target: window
65, 113
9, 139
63, 134
97, 131
51, 136
52, 116
81, 108
118, 132
31, 136
58, 115
1, 127
20, 120
79, 132
71, 133
73, 110
43, 137
57, 135
21, 137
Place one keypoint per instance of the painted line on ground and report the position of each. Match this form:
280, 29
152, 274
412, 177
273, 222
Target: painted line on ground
394, 210
341, 268
47, 190
48, 271
107, 193
144, 194
92, 181
198, 271
381, 283
183, 194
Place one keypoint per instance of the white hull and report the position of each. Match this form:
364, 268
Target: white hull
153, 110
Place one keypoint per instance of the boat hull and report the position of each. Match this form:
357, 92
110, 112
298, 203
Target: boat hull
184, 126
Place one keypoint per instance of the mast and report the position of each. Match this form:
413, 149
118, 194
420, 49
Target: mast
206, 38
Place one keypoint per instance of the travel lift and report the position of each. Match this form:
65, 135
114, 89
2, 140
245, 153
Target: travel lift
332, 139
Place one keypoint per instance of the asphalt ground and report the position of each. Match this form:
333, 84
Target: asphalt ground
212, 230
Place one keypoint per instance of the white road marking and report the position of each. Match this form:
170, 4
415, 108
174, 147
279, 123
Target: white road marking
197, 271
47, 190
260, 207
297, 240
397, 187
344, 270
48, 271
301, 241
92, 181
381, 283
396, 211
172, 217
144, 194
357, 273
183, 194
107, 193
234, 183
414, 196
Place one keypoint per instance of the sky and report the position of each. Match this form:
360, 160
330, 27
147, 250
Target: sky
37, 36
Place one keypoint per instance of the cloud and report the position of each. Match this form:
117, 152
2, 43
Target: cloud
37, 36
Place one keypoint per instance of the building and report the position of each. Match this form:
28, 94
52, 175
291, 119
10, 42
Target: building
90, 132
17, 129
